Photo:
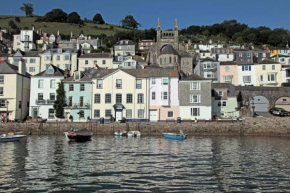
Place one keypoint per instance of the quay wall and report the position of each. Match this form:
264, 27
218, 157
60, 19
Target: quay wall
274, 126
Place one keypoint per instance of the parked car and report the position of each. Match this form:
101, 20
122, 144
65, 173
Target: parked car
275, 109
284, 113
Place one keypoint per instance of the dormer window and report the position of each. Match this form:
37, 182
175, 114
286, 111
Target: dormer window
77, 75
50, 70
59, 50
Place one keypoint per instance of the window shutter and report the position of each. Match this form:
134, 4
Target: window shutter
249, 68
243, 68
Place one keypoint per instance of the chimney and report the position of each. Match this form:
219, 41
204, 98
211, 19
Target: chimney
89, 37
32, 28
21, 66
66, 73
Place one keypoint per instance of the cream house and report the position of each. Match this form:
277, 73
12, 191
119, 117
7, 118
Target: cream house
103, 60
14, 91
120, 93
268, 73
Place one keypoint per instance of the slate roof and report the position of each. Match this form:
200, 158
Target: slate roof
280, 55
168, 49
268, 62
185, 55
193, 77
6, 68
123, 42
32, 54
57, 72
230, 87
208, 59
84, 78
96, 55
55, 50
228, 63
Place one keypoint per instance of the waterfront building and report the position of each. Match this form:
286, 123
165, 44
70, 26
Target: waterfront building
223, 54
14, 90
208, 68
102, 60
43, 92
124, 48
78, 91
194, 98
224, 101
229, 72
268, 73
246, 74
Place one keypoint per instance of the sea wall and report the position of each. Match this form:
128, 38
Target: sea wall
275, 126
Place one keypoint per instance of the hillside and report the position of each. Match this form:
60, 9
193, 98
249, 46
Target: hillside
64, 28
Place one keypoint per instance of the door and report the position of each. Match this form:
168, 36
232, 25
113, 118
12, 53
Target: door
260, 103
118, 115
153, 115
35, 113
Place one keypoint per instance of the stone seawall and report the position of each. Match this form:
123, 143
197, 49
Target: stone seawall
274, 126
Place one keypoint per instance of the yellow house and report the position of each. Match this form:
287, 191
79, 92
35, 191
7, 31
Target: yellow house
14, 91
274, 51
268, 73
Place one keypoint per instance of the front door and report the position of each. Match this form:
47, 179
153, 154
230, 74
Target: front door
153, 115
35, 113
119, 115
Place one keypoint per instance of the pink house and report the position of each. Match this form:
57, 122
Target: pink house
229, 72
3, 57
164, 102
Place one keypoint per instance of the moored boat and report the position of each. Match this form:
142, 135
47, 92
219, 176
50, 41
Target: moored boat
121, 133
79, 135
175, 135
10, 138
134, 134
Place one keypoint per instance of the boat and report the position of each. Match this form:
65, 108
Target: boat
78, 135
175, 135
121, 133
9, 138
134, 134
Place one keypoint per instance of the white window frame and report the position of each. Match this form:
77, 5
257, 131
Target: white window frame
191, 99
195, 86
192, 113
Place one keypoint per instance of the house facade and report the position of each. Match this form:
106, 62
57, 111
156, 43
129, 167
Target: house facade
102, 60
43, 93
124, 47
145, 44
208, 68
28, 40
229, 72
194, 98
246, 74
268, 73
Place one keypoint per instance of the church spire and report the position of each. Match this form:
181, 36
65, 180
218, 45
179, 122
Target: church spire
158, 24
175, 24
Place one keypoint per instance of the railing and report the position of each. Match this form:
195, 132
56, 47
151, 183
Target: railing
25, 39
44, 102
79, 106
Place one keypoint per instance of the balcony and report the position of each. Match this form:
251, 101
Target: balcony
78, 106
44, 102
26, 39
275, 82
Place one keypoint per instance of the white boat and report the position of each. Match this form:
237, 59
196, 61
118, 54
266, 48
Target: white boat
121, 133
134, 134
9, 138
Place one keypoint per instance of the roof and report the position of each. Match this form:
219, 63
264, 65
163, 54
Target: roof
31, 54
93, 42
208, 59
168, 49
123, 42
280, 55
55, 51
96, 55
138, 59
185, 55
6, 68
267, 61
85, 77
57, 72
230, 87
193, 77
228, 63
244, 63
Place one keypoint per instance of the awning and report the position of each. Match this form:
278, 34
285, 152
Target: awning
119, 106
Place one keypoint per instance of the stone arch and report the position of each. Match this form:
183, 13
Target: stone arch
283, 102
260, 103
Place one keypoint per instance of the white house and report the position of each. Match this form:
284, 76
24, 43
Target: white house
43, 92
246, 74
28, 40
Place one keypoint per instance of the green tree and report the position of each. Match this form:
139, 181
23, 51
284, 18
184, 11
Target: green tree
130, 22
60, 102
98, 19
12, 24
27, 8
239, 40
17, 19
73, 18
55, 15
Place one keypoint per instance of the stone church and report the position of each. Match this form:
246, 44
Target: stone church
166, 52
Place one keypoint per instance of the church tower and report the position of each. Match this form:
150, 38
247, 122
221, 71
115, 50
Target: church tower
158, 38
176, 34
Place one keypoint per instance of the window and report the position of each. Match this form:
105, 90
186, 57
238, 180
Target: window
1, 91
40, 83
71, 87
140, 99
67, 66
164, 95
104, 62
140, 113
153, 96
246, 68
47, 58
82, 87
97, 98
81, 101
247, 78
77, 76
129, 113
50, 113
164, 81
108, 113
129, 98
1, 79
97, 113
208, 74
82, 114
58, 58
2, 103
271, 77
31, 69
264, 67
66, 57
220, 93
108, 98
170, 114
227, 68
195, 112
32, 60
227, 78
19, 105
99, 84
118, 98
224, 103
52, 96
138, 84
70, 101
52, 83
195, 98
207, 66
86, 62
195, 86
273, 67
119, 83
153, 81
248, 54
261, 78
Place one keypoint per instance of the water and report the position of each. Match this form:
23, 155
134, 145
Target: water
146, 164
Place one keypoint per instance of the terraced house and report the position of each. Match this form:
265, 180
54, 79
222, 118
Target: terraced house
103, 60
268, 73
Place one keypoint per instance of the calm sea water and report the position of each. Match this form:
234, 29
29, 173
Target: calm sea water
146, 164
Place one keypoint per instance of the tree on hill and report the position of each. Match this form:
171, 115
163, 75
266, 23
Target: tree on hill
17, 19
12, 24
59, 103
98, 19
130, 22
27, 8
55, 15
74, 18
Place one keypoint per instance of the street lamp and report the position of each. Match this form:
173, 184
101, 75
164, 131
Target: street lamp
7, 113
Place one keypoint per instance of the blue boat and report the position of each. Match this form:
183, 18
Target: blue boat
175, 135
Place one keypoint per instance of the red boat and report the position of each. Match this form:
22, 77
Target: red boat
79, 135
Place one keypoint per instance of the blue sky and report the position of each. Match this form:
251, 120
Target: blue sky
255, 13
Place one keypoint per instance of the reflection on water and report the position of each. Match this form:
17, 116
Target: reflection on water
146, 164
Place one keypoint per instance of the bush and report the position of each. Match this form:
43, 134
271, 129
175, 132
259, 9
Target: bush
12, 24
26, 28
17, 19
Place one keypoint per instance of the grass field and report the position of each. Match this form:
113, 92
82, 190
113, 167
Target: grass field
64, 28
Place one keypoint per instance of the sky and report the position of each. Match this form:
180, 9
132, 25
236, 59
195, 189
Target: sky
273, 14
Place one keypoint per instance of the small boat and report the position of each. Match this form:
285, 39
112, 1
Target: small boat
78, 135
121, 133
134, 134
175, 135
9, 138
